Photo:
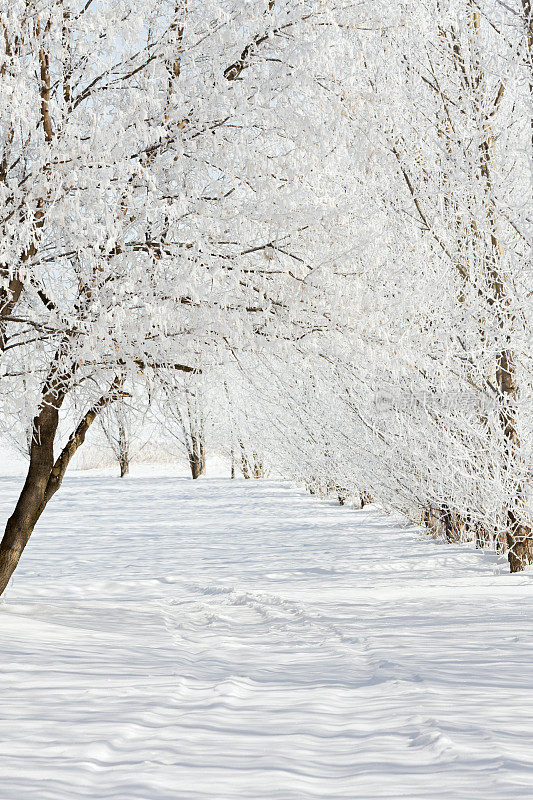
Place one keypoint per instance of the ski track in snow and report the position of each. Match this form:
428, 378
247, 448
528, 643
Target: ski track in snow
221, 640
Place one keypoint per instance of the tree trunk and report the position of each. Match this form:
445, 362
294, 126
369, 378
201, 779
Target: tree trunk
483, 537
44, 475
520, 544
123, 451
257, 467
245, 466
366, 498
197, 464
455, 526
195, 436
432, 520
197, 453
32, 500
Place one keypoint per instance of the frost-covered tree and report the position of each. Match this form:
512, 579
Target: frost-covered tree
459, 157
182, 412
133, 157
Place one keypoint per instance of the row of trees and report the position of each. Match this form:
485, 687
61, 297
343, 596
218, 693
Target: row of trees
321, 208
189, 416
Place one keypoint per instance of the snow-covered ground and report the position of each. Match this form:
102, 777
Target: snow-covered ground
218, 640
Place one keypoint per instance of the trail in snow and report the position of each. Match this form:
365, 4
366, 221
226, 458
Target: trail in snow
222, 640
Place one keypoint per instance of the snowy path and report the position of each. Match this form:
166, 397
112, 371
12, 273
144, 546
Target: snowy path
225, 639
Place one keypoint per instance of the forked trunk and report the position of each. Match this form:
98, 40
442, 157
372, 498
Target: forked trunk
44, 475
33, 497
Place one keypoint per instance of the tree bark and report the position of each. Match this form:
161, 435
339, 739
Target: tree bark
258, 470
245, 465
123, 451
197, 466
32, 501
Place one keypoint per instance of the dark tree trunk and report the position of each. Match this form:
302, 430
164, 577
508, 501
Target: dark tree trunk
44, 475
33, 497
